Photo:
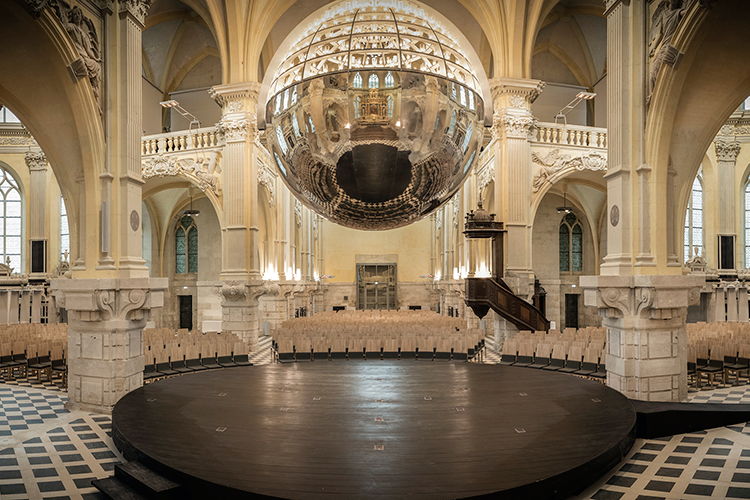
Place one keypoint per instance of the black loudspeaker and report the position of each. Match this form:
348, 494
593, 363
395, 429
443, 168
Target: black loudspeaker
38, 256
726, 251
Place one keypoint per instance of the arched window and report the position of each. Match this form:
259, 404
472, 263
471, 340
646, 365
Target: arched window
453, 90
471, 100
390, 106
374, 81
389, 80
286, 98
357, 81
465, 145
11, 230
281, 140
64, 229
571, 244
452, 126
277, 109
694, 220
186, 246
463, 96
295, 126
7, 116
356, 107
294, 95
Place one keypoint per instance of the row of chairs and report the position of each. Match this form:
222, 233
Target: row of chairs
584, 362
45, 358
289, 353
720, 360
174, 361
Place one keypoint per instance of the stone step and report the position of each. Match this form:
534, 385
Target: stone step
144, 480
114, 489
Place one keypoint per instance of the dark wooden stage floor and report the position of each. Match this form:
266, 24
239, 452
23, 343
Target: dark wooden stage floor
378, 429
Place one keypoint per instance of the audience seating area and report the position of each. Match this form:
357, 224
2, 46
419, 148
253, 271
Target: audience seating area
374, 334
579, 352
34, 349
718, 350
168, 352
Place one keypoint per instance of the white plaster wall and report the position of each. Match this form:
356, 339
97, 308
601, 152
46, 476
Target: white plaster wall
152, 110
553, 98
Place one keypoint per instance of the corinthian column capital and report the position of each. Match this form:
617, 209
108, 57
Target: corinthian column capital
137, 9
727, 150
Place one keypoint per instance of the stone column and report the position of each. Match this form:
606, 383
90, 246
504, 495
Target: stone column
239, 307
619, 103
129, 108
512, 124
727, 150
37, 163
106, 318
646, 338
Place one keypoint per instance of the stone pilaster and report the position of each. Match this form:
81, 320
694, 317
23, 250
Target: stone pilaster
619, 104
37, 163
241, 257
512, 124
128, 106
646, 339
106, 318
727, 149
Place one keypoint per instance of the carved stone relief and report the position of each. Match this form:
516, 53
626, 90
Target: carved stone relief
36, 160
555, 162
165, 166
727, 150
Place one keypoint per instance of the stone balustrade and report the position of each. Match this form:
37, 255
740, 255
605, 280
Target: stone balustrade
183, 140
570, 135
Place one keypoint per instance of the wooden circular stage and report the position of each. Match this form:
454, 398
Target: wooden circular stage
377, 429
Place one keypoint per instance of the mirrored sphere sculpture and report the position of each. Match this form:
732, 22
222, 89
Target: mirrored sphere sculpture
381, 122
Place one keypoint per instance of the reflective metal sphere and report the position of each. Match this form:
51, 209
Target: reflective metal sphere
382, 128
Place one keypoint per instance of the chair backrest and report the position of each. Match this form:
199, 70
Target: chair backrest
558, 352
717, 353
543, 351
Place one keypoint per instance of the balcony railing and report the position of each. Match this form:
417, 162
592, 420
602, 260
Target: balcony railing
571, 135
183, 140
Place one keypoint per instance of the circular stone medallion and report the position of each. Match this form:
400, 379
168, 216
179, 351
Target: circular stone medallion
614, 215
135, 220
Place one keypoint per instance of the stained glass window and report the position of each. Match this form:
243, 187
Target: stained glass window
186, 248
389, 80
357, 81
64, 229
463, 96
179, 250
286, 98
694, 220
571, 244
374, 81
471, 100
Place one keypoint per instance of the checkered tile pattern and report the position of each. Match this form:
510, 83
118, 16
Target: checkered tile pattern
22, 407
491, 351
708, 464
264, 354
54, 457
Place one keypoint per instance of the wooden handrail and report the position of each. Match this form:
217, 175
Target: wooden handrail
483, 294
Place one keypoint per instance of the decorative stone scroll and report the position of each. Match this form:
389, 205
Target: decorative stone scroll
137, 8
197, 171
485, 176
555, 162
267, 179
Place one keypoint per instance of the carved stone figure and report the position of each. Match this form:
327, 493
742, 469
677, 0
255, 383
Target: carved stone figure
83, 34
664, 24
555, 162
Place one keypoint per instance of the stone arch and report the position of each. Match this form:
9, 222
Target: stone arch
62, 116
688, 107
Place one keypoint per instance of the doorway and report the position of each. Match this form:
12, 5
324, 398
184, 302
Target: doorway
376, 286
186, 311
571, 310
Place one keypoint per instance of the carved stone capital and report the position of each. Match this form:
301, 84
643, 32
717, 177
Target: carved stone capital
645, 297
237, 97
236, 130
36, 161
514, 126
514, 92
727, 150
92, 300
138, 9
